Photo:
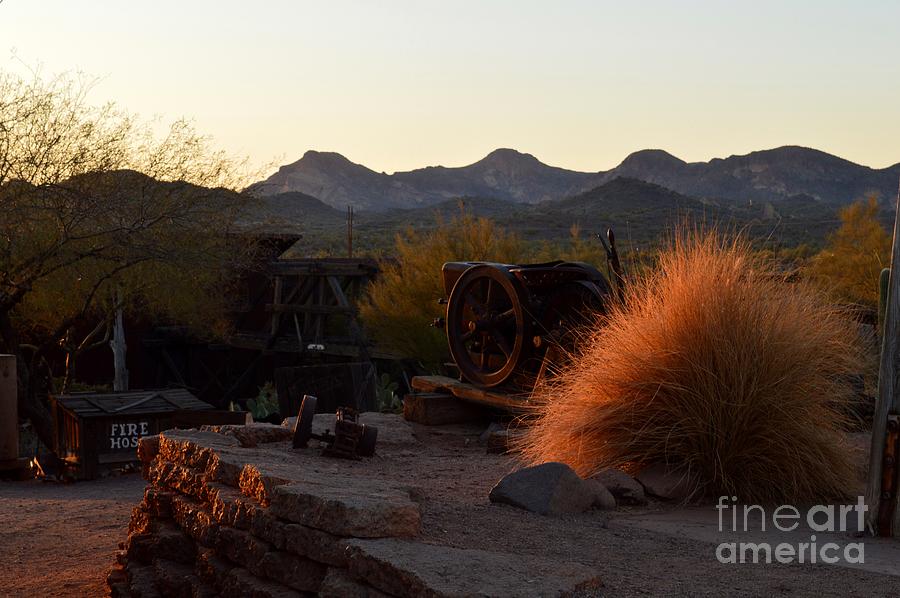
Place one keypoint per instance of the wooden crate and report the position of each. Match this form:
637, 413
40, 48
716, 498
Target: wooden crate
99, 431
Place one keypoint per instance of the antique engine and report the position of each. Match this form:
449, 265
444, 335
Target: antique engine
505, 322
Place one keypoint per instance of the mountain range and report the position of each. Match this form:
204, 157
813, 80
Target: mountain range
507, 175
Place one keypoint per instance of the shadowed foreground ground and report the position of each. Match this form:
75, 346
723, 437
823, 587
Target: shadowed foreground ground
60, 539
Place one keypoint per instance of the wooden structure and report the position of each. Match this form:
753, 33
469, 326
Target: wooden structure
883, 490
285, 313
309, 308
96, 431
495, 399
347, 384
306, 311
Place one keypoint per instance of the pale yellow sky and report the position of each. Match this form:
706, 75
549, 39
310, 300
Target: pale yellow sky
400, 85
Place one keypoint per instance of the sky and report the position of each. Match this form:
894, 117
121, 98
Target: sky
397, 85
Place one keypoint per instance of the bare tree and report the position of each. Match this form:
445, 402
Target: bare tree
96, 210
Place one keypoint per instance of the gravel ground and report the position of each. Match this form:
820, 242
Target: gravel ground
60, 540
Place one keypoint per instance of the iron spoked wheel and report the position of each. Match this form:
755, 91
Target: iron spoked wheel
487, 326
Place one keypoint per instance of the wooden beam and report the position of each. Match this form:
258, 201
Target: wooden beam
888, 402
276, 317
515, 403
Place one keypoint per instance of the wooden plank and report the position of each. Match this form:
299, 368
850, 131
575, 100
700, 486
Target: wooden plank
888, 389
439, 408
515, 402
355, 329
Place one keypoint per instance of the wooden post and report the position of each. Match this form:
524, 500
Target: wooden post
888, 402
9, 417
119, 348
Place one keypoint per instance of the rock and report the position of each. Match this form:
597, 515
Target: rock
240, 582
493, 427
165, 540
603, 498
547, 489
293, 571
230, 507
252, 434
403, 568
260, 481
178, 477
298, 539
339, 584
355, 507
315, 544
148, 448
173, 579
660, 481
195, 520
625, 488
142, 581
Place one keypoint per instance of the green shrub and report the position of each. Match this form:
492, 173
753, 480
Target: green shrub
401, 303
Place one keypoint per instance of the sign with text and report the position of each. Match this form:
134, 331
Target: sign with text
125, 435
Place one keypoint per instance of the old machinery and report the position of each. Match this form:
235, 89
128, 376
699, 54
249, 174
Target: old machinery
504, 321
351, 439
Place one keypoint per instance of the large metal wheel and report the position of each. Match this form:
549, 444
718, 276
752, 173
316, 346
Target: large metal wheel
487, 324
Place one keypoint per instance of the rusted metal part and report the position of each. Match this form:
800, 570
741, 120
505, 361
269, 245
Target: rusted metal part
889, 476
350, 440
612, 261
502, 318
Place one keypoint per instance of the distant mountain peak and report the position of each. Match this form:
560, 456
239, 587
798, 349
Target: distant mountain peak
508, 159
652, 158
767, 175
317, 159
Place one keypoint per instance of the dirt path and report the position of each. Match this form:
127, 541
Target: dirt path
60, 539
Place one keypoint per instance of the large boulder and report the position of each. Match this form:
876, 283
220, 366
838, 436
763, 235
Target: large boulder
550, 489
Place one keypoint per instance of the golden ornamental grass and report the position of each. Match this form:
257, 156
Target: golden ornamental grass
717, 366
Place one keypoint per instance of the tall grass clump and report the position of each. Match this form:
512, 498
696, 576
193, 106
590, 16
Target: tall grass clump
717, 366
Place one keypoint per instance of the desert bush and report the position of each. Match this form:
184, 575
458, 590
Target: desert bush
849, 266
716, 366
402, 302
